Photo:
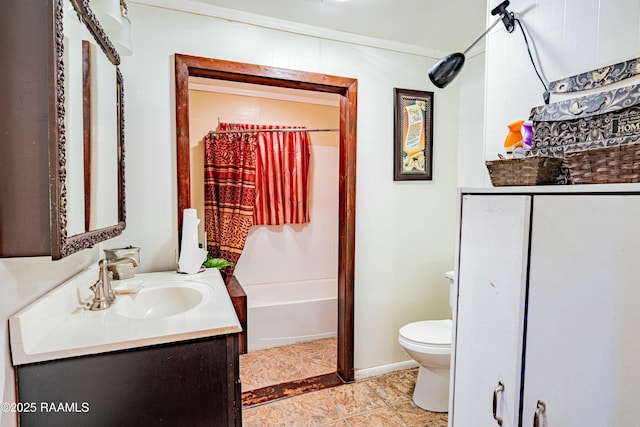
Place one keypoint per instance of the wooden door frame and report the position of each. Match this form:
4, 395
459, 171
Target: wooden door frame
347, 88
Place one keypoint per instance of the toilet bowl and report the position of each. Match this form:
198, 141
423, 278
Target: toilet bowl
428, 342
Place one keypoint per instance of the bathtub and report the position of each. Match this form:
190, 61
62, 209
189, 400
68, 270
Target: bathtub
291, 312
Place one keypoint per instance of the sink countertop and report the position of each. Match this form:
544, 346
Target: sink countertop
56, 326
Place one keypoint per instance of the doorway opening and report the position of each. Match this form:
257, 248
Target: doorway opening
191, 66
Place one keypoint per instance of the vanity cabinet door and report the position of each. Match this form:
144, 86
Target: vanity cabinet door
493, 250
583, 340
188, 383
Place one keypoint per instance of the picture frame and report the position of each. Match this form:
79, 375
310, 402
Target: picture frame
413, 135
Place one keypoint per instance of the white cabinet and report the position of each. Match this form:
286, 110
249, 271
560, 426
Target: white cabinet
548, 288
495, 239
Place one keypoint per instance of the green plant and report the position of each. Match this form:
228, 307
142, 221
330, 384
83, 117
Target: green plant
218, 263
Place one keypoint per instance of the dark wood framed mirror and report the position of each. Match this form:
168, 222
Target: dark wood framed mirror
86, 134
42, 209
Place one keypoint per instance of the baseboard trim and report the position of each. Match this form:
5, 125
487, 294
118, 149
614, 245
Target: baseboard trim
385, 369
290, 389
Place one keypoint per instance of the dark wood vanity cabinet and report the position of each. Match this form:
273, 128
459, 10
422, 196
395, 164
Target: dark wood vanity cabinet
239, 301
189, 383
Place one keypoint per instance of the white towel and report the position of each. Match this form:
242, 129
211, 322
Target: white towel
191, 256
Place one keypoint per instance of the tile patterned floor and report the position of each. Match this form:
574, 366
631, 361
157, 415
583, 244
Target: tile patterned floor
277, 365
383, 401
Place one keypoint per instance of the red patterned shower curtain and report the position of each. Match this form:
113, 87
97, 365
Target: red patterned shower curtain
229, 191
253, 178
282, 178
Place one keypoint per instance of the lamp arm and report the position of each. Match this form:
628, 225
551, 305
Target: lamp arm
482, 35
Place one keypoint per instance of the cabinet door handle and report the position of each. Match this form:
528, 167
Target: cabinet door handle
498, 389
540, 410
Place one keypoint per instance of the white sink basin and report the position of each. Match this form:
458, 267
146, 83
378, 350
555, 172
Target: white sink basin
169, 307
158, 302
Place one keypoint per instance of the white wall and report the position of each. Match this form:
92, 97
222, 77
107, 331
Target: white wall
571, 36
471, 167
405, 231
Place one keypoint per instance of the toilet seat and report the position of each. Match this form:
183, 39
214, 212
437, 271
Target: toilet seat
430, 333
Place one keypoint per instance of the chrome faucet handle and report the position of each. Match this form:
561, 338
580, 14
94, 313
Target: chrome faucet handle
100, 301
103, 292
107, 275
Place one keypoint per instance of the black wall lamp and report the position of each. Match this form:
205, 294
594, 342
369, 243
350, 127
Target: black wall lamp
447, 68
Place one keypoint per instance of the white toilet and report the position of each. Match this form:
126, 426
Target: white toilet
428, 342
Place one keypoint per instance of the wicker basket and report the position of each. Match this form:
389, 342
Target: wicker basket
532, 170
606, 165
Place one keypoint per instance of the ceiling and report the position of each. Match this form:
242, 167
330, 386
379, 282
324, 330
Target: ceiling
446, 25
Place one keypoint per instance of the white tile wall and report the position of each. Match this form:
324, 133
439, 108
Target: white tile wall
471, 127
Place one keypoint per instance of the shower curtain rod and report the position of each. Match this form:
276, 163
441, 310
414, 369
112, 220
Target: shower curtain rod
215, 132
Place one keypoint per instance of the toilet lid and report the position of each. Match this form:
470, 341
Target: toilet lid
430, 332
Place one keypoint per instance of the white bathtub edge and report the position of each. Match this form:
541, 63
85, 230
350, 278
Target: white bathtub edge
291, 312
385, 369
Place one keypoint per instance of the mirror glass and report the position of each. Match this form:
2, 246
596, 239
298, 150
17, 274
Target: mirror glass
88, 206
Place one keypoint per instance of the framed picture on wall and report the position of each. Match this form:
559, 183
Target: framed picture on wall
413, 135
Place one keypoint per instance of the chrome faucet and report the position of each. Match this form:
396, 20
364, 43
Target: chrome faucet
103, 295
